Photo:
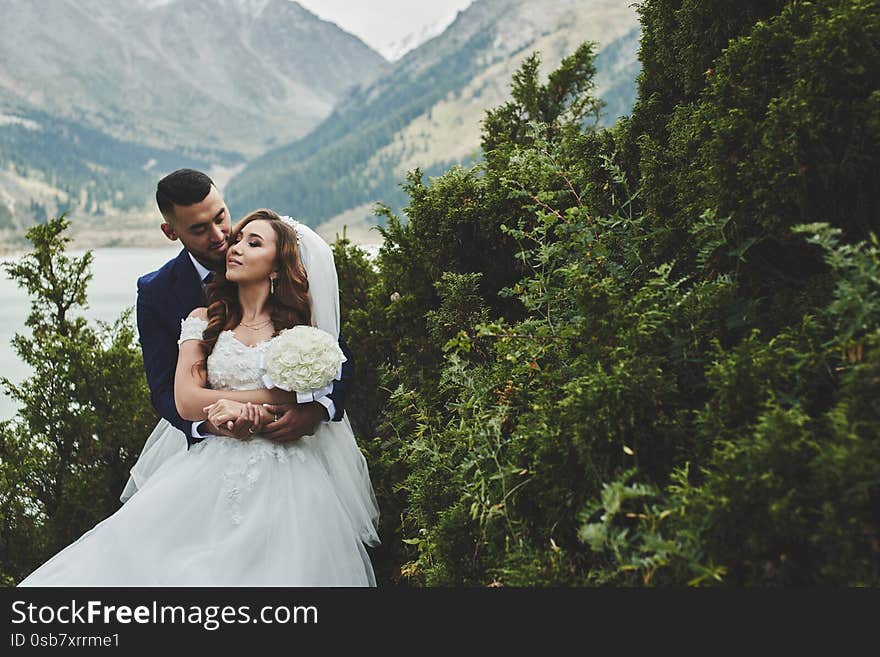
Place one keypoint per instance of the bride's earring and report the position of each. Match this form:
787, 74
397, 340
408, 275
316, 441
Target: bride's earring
271, 286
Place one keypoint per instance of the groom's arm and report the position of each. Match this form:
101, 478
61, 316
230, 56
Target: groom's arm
334, 402
160, 360
341, 386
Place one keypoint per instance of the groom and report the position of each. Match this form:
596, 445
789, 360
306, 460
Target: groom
195, 214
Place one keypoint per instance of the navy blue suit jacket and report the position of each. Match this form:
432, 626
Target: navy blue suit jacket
165, 297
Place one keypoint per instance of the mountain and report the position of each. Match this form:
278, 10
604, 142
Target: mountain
233, 75
98, 98
396, 49
425, 110
58, 165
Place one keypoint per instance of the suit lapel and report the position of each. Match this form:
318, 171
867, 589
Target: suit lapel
186, 288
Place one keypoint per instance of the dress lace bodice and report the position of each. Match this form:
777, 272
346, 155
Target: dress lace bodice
232, 365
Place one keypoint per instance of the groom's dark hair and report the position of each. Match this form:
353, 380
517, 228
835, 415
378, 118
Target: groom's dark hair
182, 187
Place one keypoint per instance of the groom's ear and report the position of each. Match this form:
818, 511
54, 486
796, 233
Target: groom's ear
168, 229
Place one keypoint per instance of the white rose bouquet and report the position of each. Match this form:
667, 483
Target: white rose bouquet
303, 359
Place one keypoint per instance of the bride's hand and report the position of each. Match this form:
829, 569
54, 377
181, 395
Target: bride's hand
224, 412
250, 419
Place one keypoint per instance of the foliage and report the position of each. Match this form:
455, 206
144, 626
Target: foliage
645, 355
565, 101
765, 112
84, 411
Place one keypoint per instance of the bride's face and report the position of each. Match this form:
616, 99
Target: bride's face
251, 255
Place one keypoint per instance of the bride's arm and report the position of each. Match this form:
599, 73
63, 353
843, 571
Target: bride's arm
191, 391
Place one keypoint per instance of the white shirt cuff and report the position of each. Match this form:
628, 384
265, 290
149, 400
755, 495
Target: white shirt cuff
195, 430
314, 395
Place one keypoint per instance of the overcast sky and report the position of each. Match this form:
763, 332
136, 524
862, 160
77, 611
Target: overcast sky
382, 22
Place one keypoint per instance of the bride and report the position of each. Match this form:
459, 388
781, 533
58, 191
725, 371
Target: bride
231, 512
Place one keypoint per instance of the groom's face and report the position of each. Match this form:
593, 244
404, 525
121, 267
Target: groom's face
203, 228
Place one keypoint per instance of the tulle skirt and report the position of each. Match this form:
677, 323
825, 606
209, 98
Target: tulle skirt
232, 513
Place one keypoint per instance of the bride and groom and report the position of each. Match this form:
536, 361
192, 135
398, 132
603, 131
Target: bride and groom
241, 483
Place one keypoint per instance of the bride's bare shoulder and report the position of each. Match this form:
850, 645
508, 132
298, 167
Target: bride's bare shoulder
200, 313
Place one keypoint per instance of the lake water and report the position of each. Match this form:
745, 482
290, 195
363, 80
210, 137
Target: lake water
113, 288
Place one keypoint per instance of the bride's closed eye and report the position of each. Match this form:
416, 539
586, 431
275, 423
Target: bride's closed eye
254, 242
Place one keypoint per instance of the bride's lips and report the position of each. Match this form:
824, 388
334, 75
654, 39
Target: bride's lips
233, 261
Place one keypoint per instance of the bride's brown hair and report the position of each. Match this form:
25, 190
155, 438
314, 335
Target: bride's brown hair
289, 306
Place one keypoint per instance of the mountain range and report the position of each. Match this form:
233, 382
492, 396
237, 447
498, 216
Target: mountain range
425, 110
397, 48
202, 75
98, 100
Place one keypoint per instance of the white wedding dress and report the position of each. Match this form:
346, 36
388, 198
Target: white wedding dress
231, 512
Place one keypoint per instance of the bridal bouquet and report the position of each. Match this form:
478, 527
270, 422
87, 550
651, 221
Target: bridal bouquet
303, 359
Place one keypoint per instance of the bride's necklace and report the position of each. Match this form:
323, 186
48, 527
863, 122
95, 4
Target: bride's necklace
255, 327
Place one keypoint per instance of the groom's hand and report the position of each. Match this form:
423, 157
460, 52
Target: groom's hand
293, 421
